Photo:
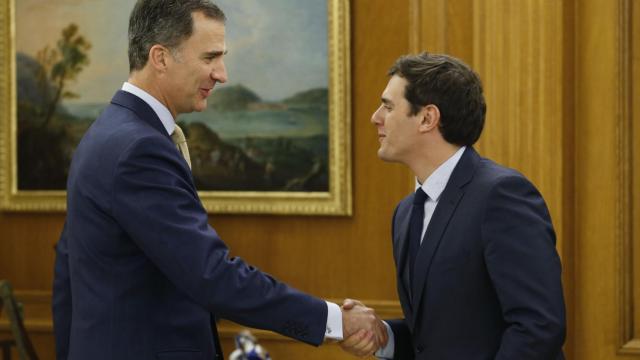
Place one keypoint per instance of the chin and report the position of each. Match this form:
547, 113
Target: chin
389, 156
200, 107
384, 156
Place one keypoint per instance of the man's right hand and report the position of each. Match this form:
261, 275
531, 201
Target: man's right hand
363, 331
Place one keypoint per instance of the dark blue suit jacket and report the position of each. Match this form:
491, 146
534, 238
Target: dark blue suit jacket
139, 271
487, 277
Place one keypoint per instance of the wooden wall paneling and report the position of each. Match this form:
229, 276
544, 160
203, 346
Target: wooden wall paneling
604, 204
459, 30
596, 179
428, 26
624, 199
523, 52
26, 248
519, 56
441, 26
568, 170
629, 134
634, 99
380, 35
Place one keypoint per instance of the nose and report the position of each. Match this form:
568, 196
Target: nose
219, 72
376, 118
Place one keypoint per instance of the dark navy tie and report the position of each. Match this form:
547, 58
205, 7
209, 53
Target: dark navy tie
415, 227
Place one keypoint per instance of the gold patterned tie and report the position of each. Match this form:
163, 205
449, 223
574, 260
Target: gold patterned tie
181, 143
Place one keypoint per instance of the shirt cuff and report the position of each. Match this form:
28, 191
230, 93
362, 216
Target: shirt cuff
388, 351
334, 322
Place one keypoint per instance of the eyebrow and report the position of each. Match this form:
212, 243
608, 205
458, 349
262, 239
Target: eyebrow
215, 53
386, 101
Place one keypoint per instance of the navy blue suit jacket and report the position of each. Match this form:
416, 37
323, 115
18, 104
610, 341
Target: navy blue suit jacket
139, 271
487, 278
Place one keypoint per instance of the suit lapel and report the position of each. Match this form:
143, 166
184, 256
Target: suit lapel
401, 248
400, 239
141, 108
445, 209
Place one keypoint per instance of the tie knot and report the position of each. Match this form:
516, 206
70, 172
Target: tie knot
178, 136
420, 197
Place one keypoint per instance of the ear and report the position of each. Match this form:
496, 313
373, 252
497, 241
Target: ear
429, 118
159, 57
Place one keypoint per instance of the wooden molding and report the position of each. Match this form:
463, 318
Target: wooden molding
629, 339
428, 26
415, 38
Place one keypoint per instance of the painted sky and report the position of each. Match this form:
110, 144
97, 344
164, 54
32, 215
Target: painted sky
276, 47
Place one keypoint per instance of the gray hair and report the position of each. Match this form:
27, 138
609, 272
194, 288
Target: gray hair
164, 22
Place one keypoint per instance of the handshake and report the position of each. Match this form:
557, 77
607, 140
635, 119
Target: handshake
363, 331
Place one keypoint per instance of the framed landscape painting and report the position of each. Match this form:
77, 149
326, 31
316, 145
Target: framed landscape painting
274, 139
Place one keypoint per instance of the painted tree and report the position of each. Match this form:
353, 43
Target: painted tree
61, 66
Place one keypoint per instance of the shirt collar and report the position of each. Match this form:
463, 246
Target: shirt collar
437, 181
163, 113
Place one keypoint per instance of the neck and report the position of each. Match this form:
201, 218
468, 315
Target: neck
431, 158
144, 81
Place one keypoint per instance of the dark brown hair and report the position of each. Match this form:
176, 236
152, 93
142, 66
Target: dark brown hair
449, 84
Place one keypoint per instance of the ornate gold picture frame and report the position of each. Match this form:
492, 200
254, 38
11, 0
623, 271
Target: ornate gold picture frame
322, 183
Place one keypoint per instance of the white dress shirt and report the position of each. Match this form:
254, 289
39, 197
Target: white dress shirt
334, 314
433, 187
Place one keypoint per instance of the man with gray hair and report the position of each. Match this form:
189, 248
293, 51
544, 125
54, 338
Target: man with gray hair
139, 272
